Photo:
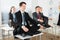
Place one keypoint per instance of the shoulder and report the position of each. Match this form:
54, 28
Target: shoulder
41, 13
26, 13
18, 12
10, 13
34, 12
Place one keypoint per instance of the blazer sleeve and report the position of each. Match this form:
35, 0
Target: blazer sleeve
45, 19
32, 21
17, 19
34, 17
10, 17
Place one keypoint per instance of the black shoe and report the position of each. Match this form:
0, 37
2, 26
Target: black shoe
16, 37
47, 26
26, 39
29, 34
58, 24
33, 33
23, 35
37, 32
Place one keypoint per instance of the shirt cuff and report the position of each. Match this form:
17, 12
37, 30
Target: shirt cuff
38, 24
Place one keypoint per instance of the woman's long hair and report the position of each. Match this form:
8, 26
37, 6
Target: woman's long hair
11, 8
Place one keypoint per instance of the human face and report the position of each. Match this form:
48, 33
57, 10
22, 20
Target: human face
13, 10
40, 9
37, 10
23, 7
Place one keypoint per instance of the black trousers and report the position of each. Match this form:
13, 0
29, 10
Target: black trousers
45, 23
31, 31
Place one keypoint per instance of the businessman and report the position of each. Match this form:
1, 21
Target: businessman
23, 22
40, 18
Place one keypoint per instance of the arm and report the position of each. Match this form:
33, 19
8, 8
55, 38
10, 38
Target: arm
34, 17
10, 16
18, 24
45, 19
33, 22
30, 19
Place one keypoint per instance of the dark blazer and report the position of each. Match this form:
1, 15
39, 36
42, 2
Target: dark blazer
12, 22
58, 20
28, 20
42, 16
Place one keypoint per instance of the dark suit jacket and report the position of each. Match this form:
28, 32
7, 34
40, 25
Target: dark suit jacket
42, 16
58, 20
11, 18
28, 20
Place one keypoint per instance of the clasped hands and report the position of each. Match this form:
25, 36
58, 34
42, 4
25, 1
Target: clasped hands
40, 20
25, 28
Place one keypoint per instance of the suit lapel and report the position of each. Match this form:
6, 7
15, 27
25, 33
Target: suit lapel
36, 14
20, 16
12, 16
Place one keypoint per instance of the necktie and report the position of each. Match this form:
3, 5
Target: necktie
38, 16
23, 20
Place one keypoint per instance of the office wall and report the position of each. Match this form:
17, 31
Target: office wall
0, 14
5, 8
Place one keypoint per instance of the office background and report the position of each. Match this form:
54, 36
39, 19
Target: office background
50, 8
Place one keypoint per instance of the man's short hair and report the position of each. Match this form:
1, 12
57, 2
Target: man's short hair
20, 4
38, 7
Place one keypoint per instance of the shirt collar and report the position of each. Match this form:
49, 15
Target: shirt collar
22, 11
13, 13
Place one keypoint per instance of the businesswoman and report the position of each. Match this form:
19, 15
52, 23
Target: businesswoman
12, 17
